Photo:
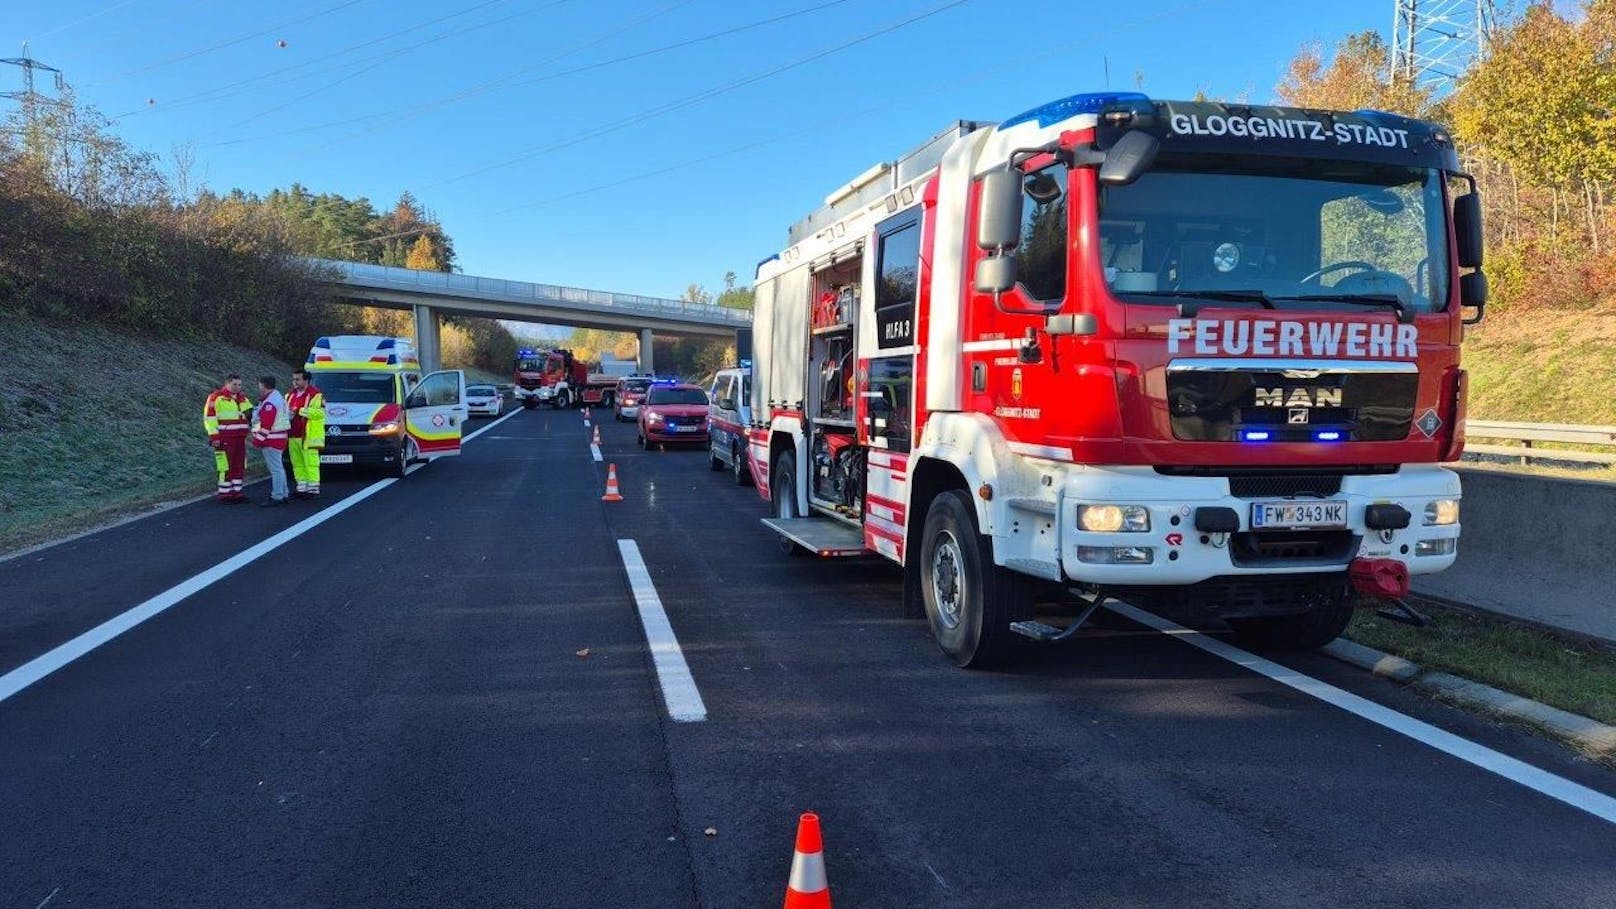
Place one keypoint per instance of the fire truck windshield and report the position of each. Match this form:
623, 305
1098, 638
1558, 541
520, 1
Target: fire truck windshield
528, 364
1298, 234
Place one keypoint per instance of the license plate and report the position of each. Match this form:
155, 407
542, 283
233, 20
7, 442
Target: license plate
1298, 515
336, 459
684, 428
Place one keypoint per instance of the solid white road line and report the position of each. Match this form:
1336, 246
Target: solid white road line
673, 674
594, 451
1558, 788
41, 666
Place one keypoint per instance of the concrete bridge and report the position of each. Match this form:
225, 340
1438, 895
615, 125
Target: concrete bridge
431, 293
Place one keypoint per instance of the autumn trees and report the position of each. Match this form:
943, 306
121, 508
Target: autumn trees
1535, 124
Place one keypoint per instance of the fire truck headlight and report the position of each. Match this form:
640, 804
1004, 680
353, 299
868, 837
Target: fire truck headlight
389, 428
1441, 512
1113, 518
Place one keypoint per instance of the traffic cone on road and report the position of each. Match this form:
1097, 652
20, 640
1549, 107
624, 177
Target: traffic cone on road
808, 888
612, 495
596, 443
586, 416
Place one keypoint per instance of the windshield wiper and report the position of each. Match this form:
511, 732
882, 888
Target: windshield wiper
1189, 307
1405, 313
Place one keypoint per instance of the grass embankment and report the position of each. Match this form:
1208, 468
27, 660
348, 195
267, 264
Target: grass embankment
1557, 670
95, 422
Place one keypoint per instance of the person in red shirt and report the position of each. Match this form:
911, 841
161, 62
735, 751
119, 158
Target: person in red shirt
225, 416
272, 424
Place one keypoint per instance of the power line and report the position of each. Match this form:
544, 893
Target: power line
220, 92
1021, 61
697, 98
504, 81
350, 121
383, 58
80, 21
232, 42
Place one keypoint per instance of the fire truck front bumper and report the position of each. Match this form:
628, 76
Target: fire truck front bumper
1135, 526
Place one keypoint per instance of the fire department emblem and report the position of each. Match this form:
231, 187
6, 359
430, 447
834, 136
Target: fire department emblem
437, 420
1015, 384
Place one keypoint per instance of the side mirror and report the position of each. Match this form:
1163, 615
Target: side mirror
1473, 294
1129, 158
1467, 230
998, 223
996, 275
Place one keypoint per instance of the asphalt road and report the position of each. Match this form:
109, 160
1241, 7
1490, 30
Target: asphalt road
392, 710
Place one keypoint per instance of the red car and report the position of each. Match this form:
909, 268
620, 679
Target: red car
673, 413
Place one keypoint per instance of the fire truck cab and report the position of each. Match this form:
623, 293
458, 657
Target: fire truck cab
1185, 354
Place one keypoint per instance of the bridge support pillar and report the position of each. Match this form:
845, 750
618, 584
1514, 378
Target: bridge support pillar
645, 351
426, 338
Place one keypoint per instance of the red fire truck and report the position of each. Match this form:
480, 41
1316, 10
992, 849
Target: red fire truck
568, 382
1190, 355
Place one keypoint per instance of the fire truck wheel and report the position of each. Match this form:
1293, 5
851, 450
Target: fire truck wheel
969, 600
563, 399
783, 498
1308, 630
743, 473
606, 399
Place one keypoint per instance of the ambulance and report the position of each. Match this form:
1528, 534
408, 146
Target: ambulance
380, 410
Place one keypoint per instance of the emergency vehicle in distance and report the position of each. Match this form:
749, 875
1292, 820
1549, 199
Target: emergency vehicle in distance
380, 411
557, 378
1190, 355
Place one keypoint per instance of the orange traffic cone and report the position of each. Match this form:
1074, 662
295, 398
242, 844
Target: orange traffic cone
596, 443
586, 416
612, 495
808, 888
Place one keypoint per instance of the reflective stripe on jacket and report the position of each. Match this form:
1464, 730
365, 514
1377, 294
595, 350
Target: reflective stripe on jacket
226, 413
308, 416
274, 422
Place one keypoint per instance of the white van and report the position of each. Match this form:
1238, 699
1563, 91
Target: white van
729, 413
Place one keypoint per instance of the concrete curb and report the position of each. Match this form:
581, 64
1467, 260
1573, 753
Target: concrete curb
1588, 735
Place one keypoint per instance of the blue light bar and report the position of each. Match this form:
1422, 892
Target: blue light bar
1091, 103
1328, 435
1255, 435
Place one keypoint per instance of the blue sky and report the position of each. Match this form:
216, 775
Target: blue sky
547, 161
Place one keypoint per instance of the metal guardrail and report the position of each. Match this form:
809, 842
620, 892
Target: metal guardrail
1526, 435
501, 289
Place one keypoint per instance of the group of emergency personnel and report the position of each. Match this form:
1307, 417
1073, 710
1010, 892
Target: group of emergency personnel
281, 426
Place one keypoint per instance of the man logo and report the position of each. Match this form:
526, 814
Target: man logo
1297, 415
1298, 397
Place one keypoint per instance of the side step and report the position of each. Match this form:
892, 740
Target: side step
1049, 634
820, 536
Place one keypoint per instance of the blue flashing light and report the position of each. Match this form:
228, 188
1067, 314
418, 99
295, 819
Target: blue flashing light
746, 364
1255, 435
1090, 103
1328, 435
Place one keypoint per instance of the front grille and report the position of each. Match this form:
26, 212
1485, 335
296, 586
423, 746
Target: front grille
1240, 597
1284, 485
1257, 549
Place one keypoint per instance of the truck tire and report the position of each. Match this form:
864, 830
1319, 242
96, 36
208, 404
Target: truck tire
969, 601
783, 498
714, 462
606, 398
563, 399
1308, 630
738, 465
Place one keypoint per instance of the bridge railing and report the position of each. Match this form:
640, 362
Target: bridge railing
500, 288
1526, 436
